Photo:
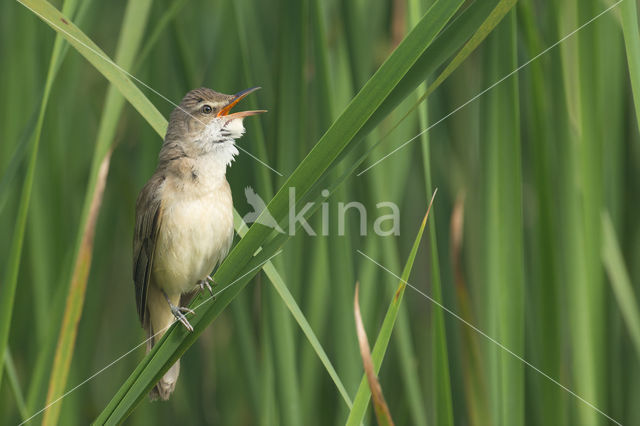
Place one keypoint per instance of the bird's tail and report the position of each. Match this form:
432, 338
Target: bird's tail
165, 386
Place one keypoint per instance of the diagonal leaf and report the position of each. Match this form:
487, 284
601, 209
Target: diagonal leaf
494, 18
288, 299
450, 40
361, 400
477, 21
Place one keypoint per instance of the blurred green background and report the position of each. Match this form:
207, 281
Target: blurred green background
536, 214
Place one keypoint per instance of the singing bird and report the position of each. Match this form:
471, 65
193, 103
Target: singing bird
184, 214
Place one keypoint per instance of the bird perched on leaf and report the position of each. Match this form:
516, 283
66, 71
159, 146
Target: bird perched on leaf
184, 214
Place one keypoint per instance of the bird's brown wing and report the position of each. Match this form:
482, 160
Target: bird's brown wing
148, 221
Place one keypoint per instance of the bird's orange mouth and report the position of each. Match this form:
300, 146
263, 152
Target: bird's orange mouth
224, 112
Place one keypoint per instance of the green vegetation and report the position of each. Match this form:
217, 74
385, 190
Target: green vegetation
532, 237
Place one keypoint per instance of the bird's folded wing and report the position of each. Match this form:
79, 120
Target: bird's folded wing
148, 221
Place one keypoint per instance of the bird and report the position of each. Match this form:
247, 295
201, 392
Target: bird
184, 215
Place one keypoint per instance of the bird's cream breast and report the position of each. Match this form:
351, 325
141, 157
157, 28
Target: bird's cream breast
195, 234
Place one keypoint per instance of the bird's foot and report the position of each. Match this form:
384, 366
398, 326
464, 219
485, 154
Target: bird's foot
179, 313
207, 283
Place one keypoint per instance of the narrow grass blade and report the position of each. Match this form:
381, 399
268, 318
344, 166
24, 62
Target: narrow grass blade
83, 44
131, 36
27, 134
581, 207
341, 280
287, 298
465, 34
321, 287
350, 73
268, 406
379, 404
629, 19
291, 304
248, 348
42, 236
75, 301
620, 281
494, 18
443, 410
504, 236
361, 401
7, 292
475, 383
150, 42
286, 369
254, 64
316, 308
290, 147
545, 297
361, 53
452, 39
42, 370
405, 332
12, 374
16, 158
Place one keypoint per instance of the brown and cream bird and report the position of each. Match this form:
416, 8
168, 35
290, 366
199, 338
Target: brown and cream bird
184, 214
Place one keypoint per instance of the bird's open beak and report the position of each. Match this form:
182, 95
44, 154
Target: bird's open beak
224, 112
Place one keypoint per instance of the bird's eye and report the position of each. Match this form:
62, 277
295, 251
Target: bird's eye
207, 109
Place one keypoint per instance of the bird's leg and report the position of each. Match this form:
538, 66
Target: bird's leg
179, 311
207, 283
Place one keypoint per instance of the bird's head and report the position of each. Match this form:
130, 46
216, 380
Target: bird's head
204, 119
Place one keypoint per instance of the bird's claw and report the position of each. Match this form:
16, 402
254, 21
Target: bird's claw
206, 283
179, 313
